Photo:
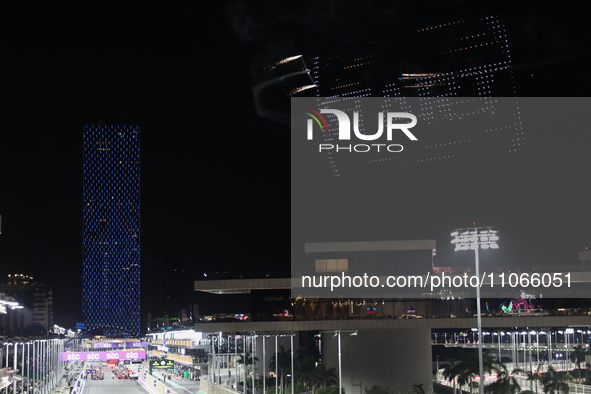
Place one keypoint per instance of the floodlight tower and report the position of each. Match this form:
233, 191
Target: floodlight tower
475, 238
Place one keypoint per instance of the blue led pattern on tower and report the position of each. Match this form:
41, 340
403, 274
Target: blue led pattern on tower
111, 243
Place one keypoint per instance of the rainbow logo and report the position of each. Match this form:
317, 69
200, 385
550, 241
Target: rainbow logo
316, 118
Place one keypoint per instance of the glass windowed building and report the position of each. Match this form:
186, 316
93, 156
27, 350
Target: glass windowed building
111, 240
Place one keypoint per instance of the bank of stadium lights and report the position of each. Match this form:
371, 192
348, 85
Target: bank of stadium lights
476, 238
472, 239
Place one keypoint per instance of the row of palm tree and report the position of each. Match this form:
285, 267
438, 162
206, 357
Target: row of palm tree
552, 382
307, 371
463, 370
577, 356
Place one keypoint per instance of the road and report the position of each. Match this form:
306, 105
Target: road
180, 386
112, 386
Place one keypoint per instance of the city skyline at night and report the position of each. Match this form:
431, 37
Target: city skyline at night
206, 180
259, 197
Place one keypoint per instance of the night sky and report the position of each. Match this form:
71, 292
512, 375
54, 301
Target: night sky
215, 175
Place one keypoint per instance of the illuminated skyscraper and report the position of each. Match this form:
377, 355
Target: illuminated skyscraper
111, 241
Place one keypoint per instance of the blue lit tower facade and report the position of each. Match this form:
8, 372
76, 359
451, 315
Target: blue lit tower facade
111, 244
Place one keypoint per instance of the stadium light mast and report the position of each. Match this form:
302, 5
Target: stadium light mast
475, 238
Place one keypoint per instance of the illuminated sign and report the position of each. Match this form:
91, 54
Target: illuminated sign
103, 356
161, 364
119, 345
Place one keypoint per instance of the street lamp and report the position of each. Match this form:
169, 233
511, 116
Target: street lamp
337, 334
473, 239
437, 366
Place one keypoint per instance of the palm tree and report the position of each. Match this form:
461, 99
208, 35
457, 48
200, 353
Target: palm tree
281, 366
534, 377
506, 382
469, 367
248, 360
325, 376
578, 357
451, 371
304, 368
418, 388
554, 382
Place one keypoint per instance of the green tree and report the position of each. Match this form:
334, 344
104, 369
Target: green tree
452, 372
249, 364
578, 356
248, 358
305, 365
400, 390
325, 376
377, 390
469, 367
554, 382
397, 390
506, 382
418, 388
329, 390
297, 389
534, 377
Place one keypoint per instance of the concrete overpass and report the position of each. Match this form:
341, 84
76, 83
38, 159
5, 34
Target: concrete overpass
395, 324
386, 351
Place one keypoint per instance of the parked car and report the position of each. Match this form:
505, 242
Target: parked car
410, 316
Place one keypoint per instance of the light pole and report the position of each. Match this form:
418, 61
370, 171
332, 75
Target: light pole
212, 372
549, 342
531, 367
361, 386
7, 351
276, 366
524, 350
23, 369
568, 331
337, 334
292, 370
340, 368
538, 346
436, 367
14, 366
264, 365
28, 364
473, 239
499, 341
559, 332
